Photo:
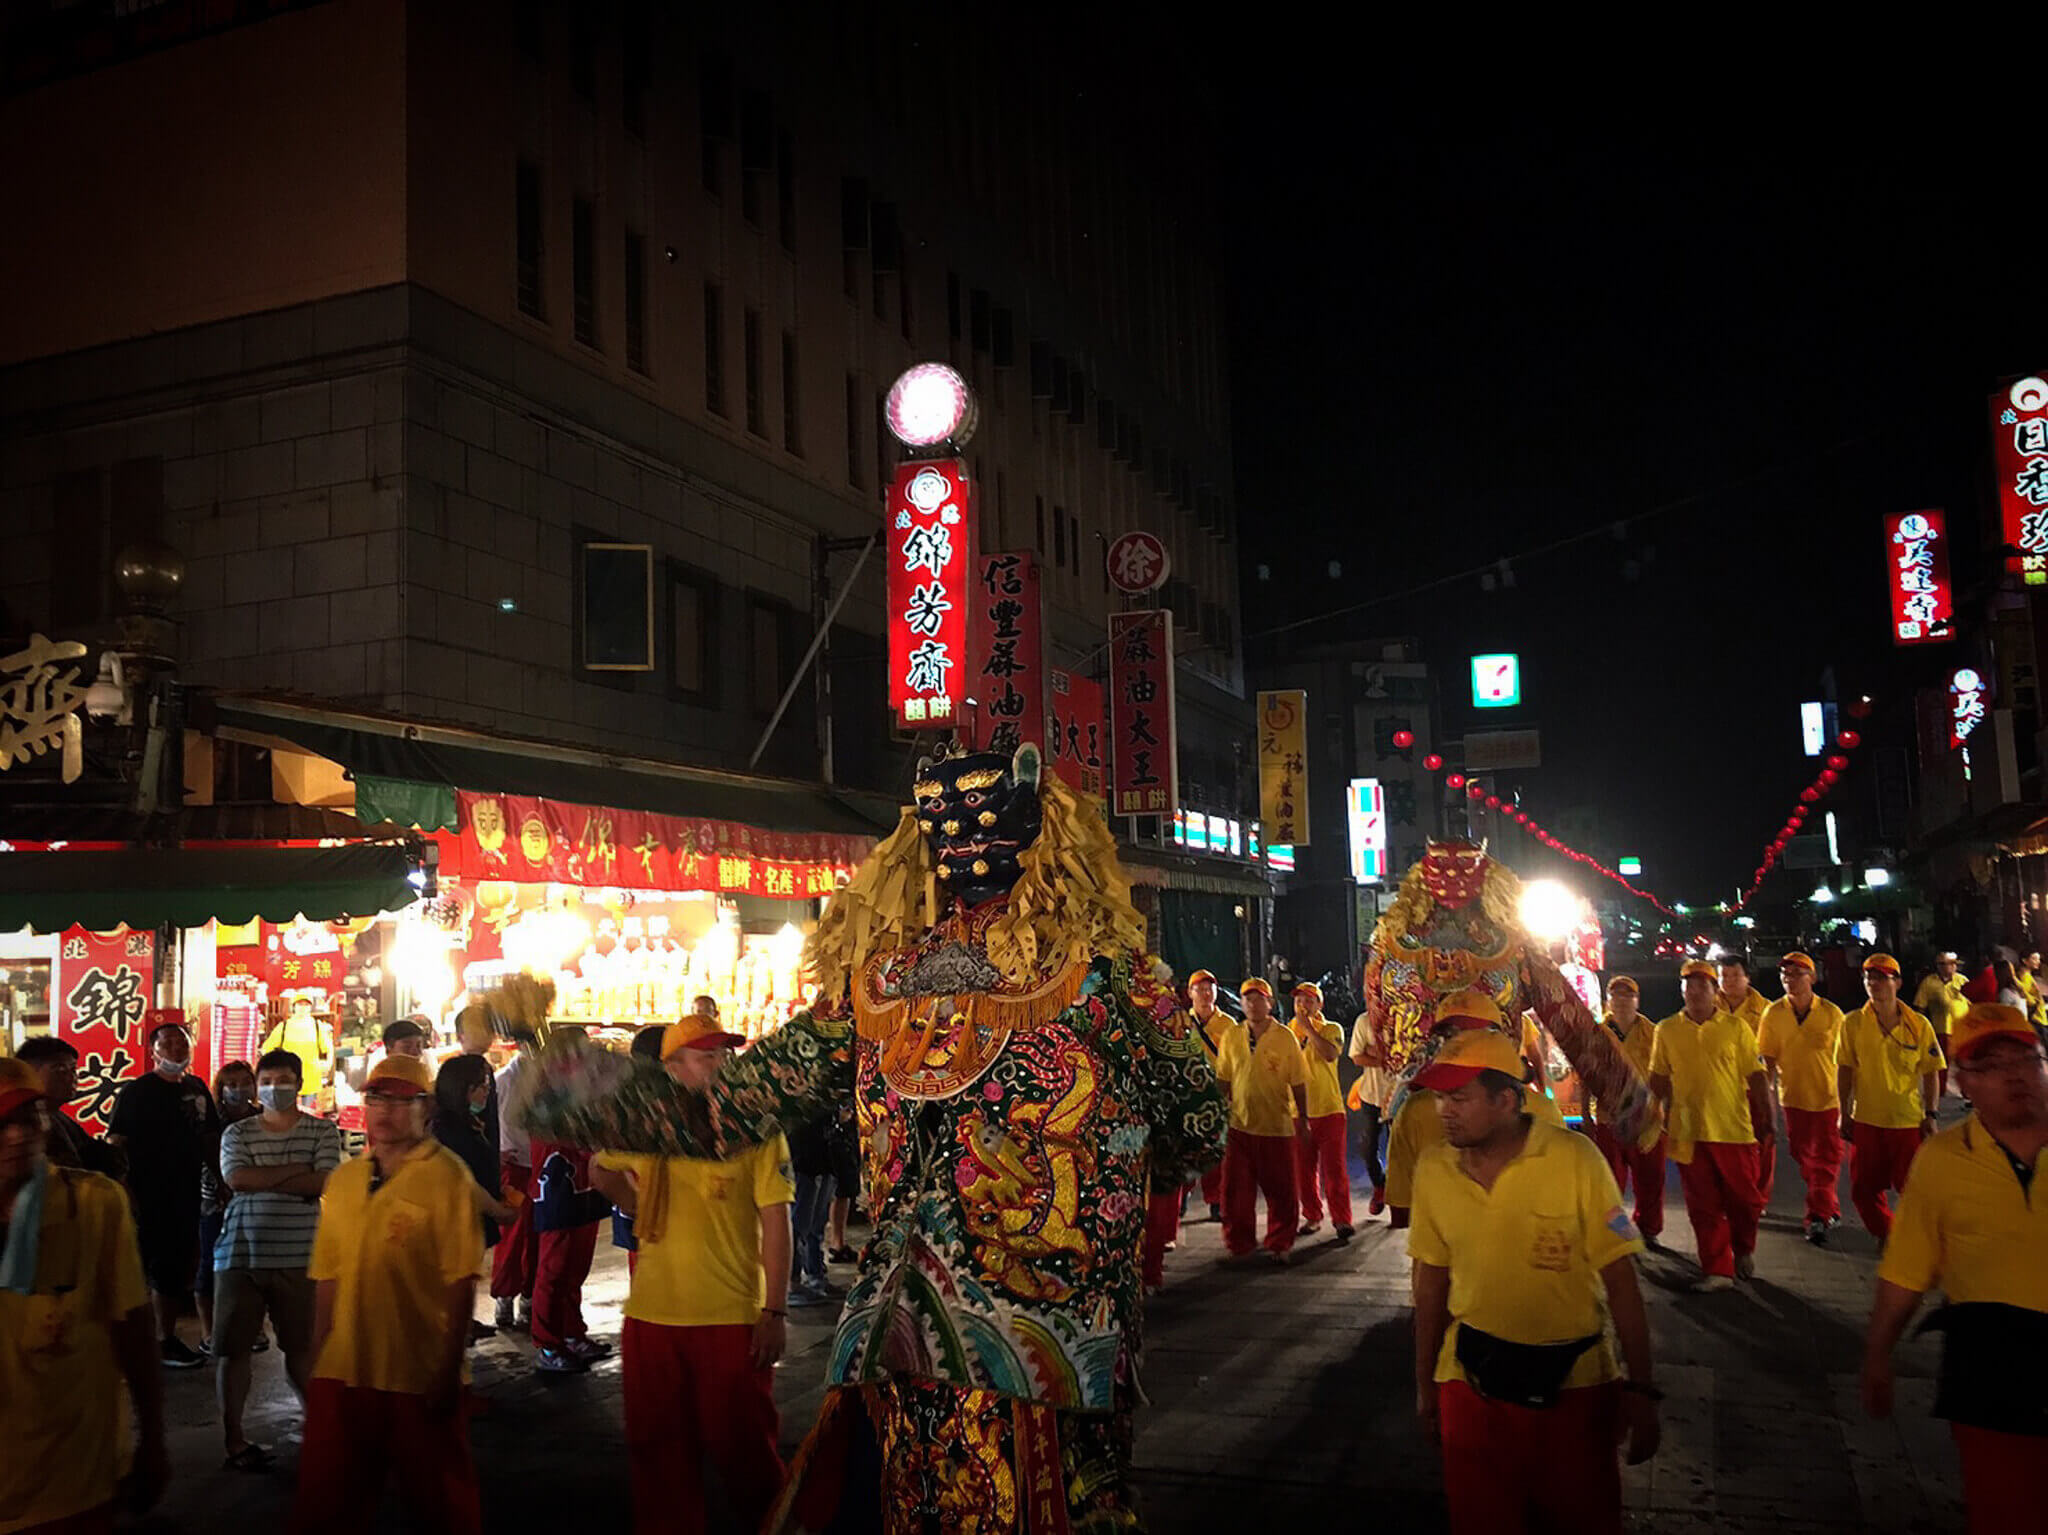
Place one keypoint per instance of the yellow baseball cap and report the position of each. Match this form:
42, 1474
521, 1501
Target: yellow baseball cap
1203, 975
1699, 967
1468, 1009
1310, 987
401, 1076
1883, 964
19, 1084
1466, 1053
1985, 1022
1797, 960
1625, 983
695, 1033
1255, 983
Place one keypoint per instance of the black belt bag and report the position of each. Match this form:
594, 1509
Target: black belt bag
1990, 1366
1520, 1374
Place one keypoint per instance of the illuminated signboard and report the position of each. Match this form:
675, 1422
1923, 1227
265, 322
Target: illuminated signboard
1630, 867
2019, 453
1281, 858
1813, 728
1144, 774
929, 535
1283, 764
1967, 694
1496, 681
1365, 806
1916, 559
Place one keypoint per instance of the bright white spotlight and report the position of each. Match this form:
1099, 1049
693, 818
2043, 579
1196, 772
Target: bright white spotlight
1549, 910
1877, 878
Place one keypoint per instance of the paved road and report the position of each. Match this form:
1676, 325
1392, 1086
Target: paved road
1277, 1394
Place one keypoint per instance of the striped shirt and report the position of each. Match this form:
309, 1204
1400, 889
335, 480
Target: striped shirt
270, 1230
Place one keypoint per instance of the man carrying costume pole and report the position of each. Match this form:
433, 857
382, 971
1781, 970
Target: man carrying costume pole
1213, 1027
1268, 1082
1319, 1156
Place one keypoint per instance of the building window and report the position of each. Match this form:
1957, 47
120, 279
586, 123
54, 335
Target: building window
854, 458
1059, 536
785, 190
636, 301
583, 270
792, 415
714, 116
527, 238
757, 155
583, 56
693, 601
616, 616
1074, 541
636, 62
750, 357
768, 655
714, 349
1039, 544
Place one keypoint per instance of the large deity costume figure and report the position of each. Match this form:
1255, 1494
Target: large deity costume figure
1020, 1074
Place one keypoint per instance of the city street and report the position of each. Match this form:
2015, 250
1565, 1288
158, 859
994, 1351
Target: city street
1278, 1395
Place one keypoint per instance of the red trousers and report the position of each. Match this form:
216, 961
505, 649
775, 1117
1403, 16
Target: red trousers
1816, 1137
2005, 1480
1321, 1155
1255, 1165
1767, 1165
1645, 1169
693, 1392
565, 1258
1508, 1469
356, 1438
1162, 1225
513, 1259
1722, 1201
1212, 1185
1882, 1159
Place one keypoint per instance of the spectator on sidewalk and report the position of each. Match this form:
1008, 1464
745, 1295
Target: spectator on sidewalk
811, 1160
1974, 1221
1322, 1175
512, 1264
55, 1062
1213, 1027
165, 1124
1941, 998
706, 1316
234, 1099
74, 1326
1704, 1069
277, 1164
843, 1139
1370, 1090
1518, 1238
394, 1268
1798, 1044
1885, 1076
407, 1036
1632, 1164
1268, 1083
462, 1107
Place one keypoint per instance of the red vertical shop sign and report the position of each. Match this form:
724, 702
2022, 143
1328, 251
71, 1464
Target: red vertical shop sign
2019, 454
929, 538
101, 994
1916, 557
1141, 724
1073, 739
1006, 636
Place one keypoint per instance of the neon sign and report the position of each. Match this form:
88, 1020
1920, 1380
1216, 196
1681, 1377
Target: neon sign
1916, 561
1966, 710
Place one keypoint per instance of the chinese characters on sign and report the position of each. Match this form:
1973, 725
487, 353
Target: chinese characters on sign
2019, 453
1073, 744
1141, 722
1916, 557
1138, 563
931, 563
101, 992
1367, 807
1007, 639
1967, 695
1496, 680
39, 701
1283, 766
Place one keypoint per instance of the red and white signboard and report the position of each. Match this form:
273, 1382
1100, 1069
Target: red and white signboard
1916, 557
1141, 735
98, 1004
1006, 631
929, 538
1968, 698
2019, 454
1138, 564
1074, 747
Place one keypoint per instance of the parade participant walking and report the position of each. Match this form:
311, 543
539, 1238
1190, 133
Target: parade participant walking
1886, 1071
1737, 995
1798, 1042
166, 1125
1213, 1026
70, 1279
1267, 1079
1971, 1222
566, 1215
513, 1260
1370, 1090
706, 1311
55, 1062
1705, 1071
1519, 1235
1941, 998
1319, 1156
276, 1163
1632, 1164
394, 1267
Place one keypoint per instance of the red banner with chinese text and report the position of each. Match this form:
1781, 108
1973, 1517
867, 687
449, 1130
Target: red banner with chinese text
2019, 456
1074, 745
97, 1001
928, 538
1144, 773
1916, 560
1006, 638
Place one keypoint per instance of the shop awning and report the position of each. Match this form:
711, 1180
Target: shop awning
183, 887
1170, 871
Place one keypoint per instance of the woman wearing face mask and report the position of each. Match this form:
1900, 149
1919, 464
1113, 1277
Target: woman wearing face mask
234, 1095
462, 1096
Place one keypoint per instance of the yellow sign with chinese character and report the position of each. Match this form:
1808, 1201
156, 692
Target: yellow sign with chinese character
39, 699
1283, 767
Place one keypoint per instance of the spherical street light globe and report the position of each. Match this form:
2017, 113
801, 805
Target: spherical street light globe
930, 404
1549, 910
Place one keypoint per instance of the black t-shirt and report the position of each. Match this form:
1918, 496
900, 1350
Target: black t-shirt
167, 1128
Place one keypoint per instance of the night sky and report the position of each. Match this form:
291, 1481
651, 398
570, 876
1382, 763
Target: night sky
1466, 334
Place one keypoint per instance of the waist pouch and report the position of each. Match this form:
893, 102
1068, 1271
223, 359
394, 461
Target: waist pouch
1990, 1355
1520, 1374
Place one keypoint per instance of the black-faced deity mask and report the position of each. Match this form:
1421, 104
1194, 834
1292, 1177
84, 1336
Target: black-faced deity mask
979, 812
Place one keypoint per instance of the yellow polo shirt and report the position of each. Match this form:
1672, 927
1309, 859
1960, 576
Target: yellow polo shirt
704, 1270
1942, 1001
1750, 1012
61, 1393
1804, 1051
1964, 1223
1525, 1256
1889, 1067
1709, 1065
392, 1256
1324, 1095
1262, 1080
1635, 1048
1220, 1026
1419, 1126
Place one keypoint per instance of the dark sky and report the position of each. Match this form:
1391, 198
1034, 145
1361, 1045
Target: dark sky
1464, 333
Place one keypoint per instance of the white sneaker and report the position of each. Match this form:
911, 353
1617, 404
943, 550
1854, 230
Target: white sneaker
504, 1313
1745, 1266
1710, 1284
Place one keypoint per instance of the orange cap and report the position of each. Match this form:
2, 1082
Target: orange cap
1625, 983
1203, 975
1699, 967
1983, 1023
1256, 983
1468, 1052
19, 1084
1883, 964
1468, 1009
1797, 960
696, 1033
401, 1076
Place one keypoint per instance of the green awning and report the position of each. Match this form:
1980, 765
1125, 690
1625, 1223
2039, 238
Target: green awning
404, 802
183, 887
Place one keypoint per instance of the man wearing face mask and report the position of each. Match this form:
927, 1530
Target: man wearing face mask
277, 1163
165, 1122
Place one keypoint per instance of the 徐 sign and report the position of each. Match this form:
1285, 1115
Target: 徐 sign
1283, 765
1496, 681
1916, 562
929, 539
1006, 639
2019, 454
1138, 563
1145, 777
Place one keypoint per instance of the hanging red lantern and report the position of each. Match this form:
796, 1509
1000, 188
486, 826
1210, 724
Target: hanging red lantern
1493, 802
1827, 776
1849, 740
1810, 796
1403, 739
1433, 762
1837, 761
1455, 781
1859, 708
1476, 791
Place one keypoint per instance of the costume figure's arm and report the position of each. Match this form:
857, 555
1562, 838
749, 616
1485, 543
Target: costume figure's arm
1604, 1071
1183, 1102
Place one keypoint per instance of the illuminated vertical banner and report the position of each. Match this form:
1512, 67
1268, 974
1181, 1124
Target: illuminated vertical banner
1916, 559
2019, 454
1283, 766
1145, 776
929, 538
1006, 637
1968, 699
1366, 807
1074, 745
98, 1002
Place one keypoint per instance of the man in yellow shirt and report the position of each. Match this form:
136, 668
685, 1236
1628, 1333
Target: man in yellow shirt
1705, 1071
1519, 1238
1737, 995
1644, 1167
1970, 1222
394, 1268
1941, 998
1320, 1154
1268, 1083
1798, 1041
1885, 1075
75, 1324
1212, 1026
706, 1312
